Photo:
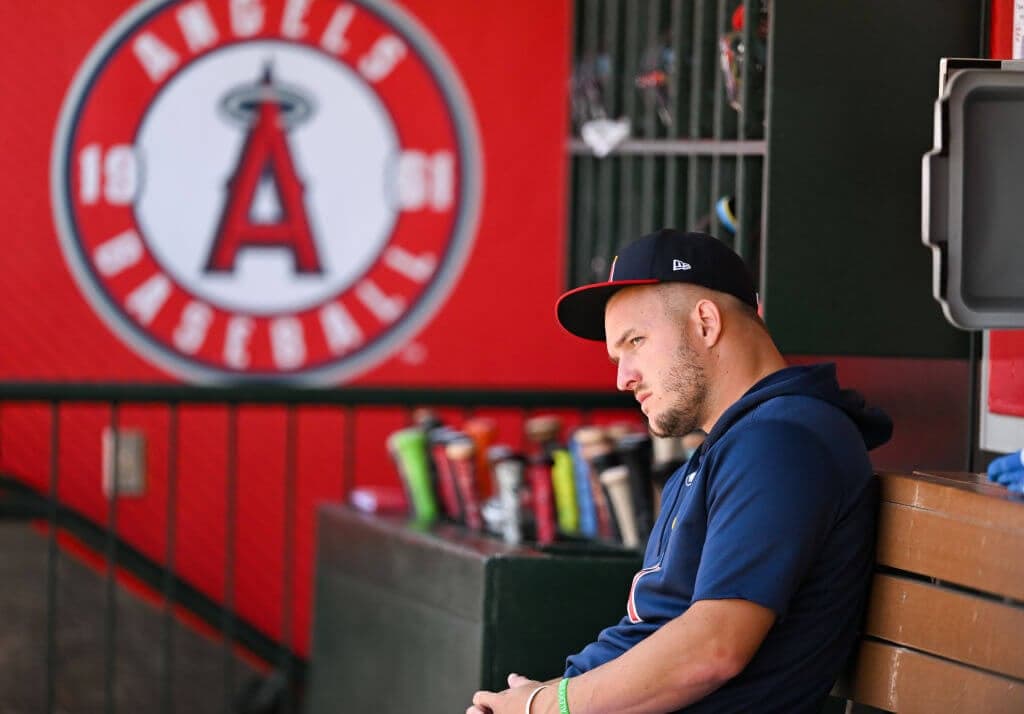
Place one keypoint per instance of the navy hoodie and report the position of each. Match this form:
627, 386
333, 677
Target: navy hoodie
776, 507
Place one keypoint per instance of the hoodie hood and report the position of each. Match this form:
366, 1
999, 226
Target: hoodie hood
818, 382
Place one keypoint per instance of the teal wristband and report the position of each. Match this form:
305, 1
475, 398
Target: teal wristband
563, 696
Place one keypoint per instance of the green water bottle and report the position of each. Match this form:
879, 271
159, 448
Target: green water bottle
565, 492
408, 448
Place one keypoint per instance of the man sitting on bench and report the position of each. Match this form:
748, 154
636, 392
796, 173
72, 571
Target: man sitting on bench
756, 573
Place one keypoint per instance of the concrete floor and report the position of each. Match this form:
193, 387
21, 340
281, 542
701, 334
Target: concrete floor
196, 678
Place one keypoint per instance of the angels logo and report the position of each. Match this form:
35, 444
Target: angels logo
266, 188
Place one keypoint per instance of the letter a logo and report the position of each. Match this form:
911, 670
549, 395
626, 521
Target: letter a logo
265, 162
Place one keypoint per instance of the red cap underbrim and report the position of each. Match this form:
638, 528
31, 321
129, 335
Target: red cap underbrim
581, 310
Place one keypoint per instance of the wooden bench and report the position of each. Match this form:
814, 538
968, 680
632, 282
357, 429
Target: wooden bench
945, 625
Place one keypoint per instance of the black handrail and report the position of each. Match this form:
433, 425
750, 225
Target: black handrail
132, 392
21, 502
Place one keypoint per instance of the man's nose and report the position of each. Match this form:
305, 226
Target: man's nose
626, 377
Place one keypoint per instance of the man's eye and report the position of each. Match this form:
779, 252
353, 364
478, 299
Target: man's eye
636, 341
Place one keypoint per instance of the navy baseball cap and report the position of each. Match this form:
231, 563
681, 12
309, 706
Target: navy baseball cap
668, 256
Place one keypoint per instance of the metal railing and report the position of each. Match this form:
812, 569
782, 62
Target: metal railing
172, 591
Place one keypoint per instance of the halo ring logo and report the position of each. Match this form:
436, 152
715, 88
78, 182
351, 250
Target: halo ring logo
266, 189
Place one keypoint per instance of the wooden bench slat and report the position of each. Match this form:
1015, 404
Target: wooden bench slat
902, 680
957, 626
962, 552
964, 496
932, 647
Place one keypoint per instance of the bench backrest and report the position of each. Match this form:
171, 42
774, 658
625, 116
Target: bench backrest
945, 624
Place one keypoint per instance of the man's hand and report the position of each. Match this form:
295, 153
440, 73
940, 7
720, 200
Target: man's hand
512, 700
683, 661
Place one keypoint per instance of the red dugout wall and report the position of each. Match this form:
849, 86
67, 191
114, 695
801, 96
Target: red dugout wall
84, 300
494, 328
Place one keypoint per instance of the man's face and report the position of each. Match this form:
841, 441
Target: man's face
656, 360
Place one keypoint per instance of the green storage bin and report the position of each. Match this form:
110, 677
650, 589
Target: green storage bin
407, 619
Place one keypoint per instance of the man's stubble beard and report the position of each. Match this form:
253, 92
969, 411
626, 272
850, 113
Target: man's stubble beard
688, 387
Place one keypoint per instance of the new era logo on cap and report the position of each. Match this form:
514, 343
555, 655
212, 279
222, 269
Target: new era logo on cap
680, 265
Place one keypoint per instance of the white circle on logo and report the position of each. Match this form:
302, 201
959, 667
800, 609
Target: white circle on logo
189, 148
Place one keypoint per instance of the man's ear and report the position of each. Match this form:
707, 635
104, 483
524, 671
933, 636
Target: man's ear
708, 317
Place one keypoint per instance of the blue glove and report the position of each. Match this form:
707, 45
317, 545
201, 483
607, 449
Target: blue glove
1008, 470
